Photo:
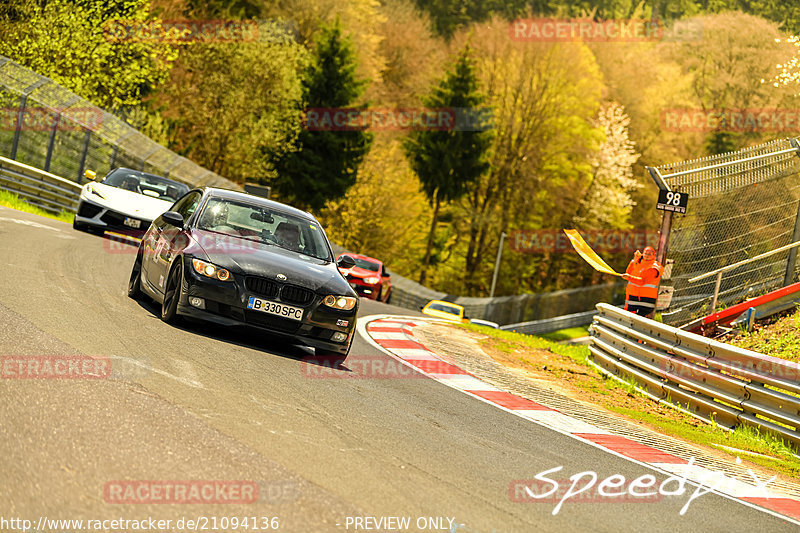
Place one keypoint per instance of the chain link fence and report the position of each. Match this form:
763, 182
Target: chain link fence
46, 126
741, 204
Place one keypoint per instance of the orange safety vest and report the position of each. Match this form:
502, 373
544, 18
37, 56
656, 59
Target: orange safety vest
650, 272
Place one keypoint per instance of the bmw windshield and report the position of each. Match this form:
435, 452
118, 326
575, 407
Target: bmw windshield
259, 224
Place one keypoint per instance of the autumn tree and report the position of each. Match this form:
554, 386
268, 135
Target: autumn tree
325, 164
384, 214
360, 20
788, 71
449, 162
728, 65
543, 97
413, 55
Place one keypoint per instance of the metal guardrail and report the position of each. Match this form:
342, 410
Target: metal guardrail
709, 379
536, 327
38, 187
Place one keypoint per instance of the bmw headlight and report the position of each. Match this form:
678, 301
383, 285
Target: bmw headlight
210, 271
344, 303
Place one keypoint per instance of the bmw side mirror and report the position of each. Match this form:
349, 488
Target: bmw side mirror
173, 218
346, 262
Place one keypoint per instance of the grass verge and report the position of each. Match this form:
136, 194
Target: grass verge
566, 334
512, 340
778, 338
10, 199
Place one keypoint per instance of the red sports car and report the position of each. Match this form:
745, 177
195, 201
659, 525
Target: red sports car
369, 278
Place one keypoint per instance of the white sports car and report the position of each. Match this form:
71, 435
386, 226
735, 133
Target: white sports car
125, 201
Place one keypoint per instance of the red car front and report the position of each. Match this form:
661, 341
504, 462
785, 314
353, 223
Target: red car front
369, 278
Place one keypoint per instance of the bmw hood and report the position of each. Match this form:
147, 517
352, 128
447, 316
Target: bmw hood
125, 202
253, 258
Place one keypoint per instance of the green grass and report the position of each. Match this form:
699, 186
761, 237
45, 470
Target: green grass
778, 339
10, 199
577, 353
567, 334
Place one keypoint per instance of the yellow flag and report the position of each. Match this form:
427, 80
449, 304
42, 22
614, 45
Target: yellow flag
585, 251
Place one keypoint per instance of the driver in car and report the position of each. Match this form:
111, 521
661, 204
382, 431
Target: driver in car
216, 218
288, 236
130, 184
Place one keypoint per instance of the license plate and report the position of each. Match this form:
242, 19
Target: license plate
132, 222
274, 308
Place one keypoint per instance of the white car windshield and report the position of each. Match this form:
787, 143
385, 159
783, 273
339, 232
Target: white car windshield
260, 224
146, 184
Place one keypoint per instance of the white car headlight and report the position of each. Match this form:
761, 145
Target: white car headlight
210, 271
374, 280
345, 303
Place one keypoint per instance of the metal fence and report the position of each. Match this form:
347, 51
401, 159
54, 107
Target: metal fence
710, 379
46, 126
741, 204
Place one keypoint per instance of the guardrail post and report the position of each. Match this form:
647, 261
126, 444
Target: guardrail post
85, 151
52, 142
18, 130
716, 291
751, 318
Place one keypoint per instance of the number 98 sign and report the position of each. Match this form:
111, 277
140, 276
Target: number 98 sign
672, 201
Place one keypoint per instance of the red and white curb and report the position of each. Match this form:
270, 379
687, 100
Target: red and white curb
394, 335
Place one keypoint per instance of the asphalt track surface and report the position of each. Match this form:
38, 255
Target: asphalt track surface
200, 402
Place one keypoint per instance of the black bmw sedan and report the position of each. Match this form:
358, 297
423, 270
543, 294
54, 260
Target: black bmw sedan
241, 260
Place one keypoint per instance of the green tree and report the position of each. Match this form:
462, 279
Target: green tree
449, 15
229, 104
325, 165
448, 162
71, 43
